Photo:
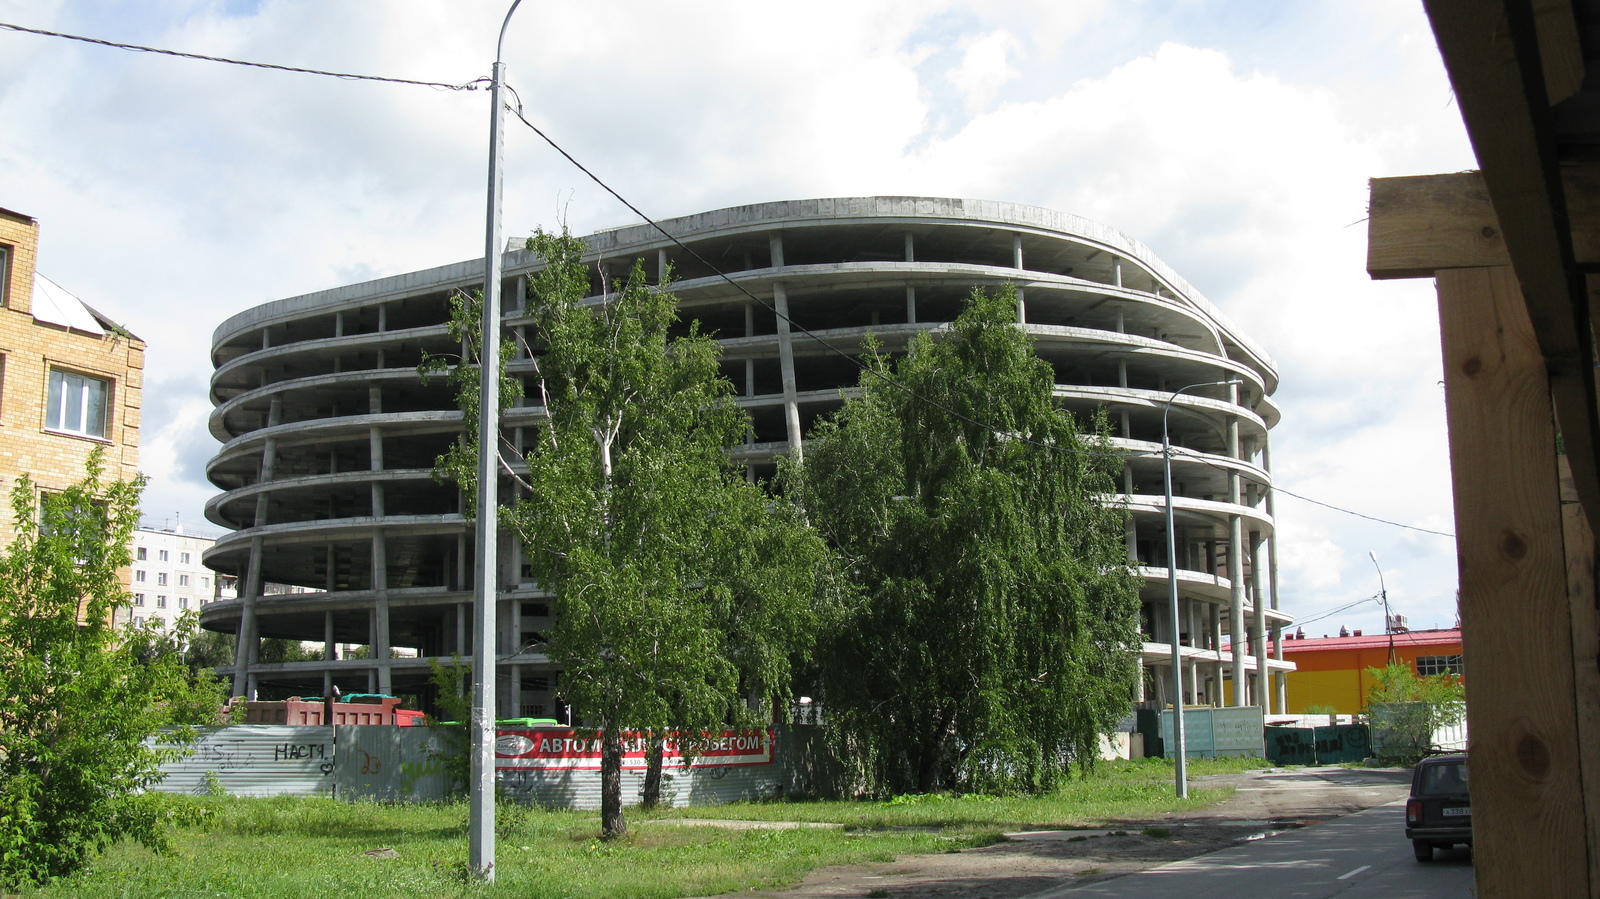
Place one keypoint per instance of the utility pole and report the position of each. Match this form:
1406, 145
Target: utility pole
1180, 749
486, 588
1383, 591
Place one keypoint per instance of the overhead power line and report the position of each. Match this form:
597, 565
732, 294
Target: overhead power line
467, 86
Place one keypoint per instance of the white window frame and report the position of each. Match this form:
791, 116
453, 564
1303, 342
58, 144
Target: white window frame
138, 599
68, 388
161, 601
183, 580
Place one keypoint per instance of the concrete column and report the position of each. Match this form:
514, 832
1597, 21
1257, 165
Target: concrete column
330, 649
1258, 625
383, 320
911, 248
911, 305
1116, 281
461, 629
375, 446
1236, 625
1130, 529
516, 684
338, 324
1122, 322
1127, 425
380, 587
329, 582
375, 399
1016, 251
248, 647
791, 404
1215, 621
661, 266
1122, 373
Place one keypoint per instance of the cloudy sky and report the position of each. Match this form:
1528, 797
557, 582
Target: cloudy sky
1234, 137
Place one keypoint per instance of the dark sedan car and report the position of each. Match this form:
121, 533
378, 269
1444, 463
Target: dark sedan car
1439, 812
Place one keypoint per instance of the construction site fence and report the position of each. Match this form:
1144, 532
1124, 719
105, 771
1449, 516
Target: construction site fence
1330, 745
551, 767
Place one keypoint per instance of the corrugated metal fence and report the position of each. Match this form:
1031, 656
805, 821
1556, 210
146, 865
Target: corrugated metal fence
256, 760
1208, 733
550, 767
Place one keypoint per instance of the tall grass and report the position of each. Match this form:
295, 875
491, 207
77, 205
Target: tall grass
290, 847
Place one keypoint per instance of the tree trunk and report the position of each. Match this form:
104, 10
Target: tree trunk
612, 823
650, 797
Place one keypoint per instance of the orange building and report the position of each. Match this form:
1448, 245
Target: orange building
1331, 671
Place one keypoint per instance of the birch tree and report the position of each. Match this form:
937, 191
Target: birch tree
985, 639
680, 590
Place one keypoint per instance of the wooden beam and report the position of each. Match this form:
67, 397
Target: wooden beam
1419, 224
1560, 53
1582, 598
1530, 835
1491, 52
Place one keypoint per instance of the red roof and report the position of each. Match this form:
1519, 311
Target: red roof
1366, 641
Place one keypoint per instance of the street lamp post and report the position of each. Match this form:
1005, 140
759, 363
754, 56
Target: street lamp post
1179, 747
480, 822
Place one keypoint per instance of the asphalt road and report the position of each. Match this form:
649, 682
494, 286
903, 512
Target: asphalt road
1364, 854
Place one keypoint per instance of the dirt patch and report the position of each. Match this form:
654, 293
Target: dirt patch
1029, 862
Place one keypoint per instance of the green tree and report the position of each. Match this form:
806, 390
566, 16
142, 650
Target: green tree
78, 698
681, 592
1406, 708
983, 637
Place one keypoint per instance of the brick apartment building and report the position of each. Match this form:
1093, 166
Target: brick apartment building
70, 378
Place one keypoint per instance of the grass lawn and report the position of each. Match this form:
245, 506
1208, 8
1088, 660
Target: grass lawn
292, 847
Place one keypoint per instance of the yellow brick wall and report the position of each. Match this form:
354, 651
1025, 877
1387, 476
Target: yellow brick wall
28, 350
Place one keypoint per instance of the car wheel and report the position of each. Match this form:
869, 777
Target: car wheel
1423, 850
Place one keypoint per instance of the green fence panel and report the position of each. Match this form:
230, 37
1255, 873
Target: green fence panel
1292, 745
1342, 743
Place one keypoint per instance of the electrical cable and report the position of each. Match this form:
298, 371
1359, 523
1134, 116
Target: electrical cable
1190, 454
517, 111
468, 86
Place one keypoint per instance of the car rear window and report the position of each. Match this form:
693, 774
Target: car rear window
1445, 778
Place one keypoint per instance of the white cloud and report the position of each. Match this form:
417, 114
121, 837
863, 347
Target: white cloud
985, 67
174, 193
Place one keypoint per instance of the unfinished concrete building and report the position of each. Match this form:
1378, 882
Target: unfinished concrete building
329, 436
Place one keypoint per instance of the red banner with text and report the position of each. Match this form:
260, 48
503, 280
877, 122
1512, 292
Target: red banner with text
569, 748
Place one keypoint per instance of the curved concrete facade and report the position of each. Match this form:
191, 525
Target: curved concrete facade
329, 436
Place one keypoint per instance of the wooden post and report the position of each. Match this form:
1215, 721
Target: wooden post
1530, 827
